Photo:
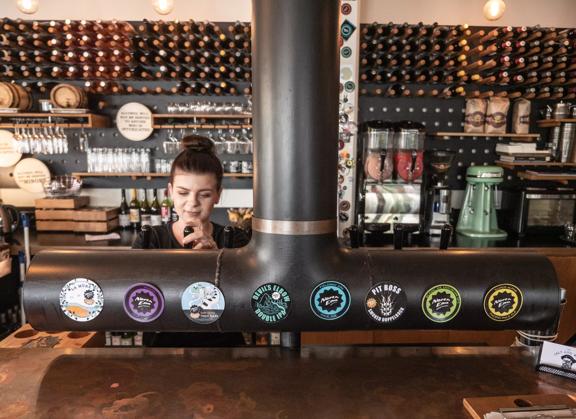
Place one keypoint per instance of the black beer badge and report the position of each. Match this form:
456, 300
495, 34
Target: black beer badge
503, 302
386, 302
441, 303
271, 303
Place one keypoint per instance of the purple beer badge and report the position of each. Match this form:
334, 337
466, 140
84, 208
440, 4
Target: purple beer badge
143, 302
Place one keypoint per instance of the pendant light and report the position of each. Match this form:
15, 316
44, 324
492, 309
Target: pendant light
28, 6
494, 9
163, 7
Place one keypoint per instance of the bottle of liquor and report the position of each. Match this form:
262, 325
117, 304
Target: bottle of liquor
165, 208
135, 220
124, 216
145, 210
155, 212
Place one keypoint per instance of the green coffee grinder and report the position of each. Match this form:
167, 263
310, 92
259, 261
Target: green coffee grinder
478, 215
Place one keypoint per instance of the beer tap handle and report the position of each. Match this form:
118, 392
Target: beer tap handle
445, 236
354, 234
398, 236
189, 230
228, 237
146, 230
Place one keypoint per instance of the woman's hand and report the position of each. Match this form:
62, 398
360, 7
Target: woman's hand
199, 239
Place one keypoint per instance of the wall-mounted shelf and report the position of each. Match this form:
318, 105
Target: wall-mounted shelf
201, 126
199, 121
516, 137
79, 120
147, 176
201, 116
549, 123
513, 165
551, 177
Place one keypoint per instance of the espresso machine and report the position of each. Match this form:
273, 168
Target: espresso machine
438, 205
390, 184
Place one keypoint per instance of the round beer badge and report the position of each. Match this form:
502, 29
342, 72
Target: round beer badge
271, 303
81, 299
330, 300
441, 303
386, 302
203, 302
503, 302
143, 302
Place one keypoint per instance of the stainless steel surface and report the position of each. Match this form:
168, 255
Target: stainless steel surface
566, 144
294, 228
318, 382
550, 196
379, 139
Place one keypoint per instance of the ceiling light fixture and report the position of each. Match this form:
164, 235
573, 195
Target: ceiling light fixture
494, 9
163, 7
28, 6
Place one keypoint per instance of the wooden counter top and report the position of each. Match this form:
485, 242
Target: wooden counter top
318, 382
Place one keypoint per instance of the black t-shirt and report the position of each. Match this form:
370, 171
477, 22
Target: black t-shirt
162, 237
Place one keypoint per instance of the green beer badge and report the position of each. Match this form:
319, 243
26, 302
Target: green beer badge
441, 303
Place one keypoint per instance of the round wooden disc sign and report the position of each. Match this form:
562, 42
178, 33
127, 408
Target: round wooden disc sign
8, 155
134, 121
30, 174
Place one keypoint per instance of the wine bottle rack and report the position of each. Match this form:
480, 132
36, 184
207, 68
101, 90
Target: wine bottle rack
198, 58
447, 61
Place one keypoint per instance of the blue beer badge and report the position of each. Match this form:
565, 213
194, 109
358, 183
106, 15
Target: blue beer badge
271, 303
330, 300
203, 302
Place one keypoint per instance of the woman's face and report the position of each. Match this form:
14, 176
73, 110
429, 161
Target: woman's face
194, 195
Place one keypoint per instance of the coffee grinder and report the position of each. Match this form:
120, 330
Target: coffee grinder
438, 206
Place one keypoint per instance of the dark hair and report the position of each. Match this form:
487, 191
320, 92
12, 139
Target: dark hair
197, 156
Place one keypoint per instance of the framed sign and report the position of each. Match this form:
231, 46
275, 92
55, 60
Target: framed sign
134, 121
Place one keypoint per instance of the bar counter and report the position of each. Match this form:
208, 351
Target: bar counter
319, 382
52, 240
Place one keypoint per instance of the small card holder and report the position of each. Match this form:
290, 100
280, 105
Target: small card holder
557, 359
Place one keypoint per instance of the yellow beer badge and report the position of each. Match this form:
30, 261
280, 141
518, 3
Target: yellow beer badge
503, 302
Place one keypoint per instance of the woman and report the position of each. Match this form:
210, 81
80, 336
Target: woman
195, 186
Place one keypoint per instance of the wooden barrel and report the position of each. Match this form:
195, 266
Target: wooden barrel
14, 96
67, 96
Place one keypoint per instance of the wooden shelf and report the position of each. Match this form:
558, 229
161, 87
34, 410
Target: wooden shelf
512, 165
200, 116
516, 137
147, 176
549, 123
90, 120
201, 126
551, 177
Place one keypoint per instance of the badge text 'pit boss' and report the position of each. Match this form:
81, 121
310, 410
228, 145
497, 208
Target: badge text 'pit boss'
386, 302
271, 303
330, 300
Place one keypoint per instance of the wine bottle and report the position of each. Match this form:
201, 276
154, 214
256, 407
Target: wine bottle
135, 211
124, 215
155, 213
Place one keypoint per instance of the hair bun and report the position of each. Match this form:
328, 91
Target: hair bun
198, 143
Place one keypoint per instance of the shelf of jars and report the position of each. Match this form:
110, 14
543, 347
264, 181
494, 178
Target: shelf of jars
516, 137
147, 176
39, 120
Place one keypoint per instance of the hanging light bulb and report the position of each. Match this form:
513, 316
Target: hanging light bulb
163, 7
494, 9
28, 6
